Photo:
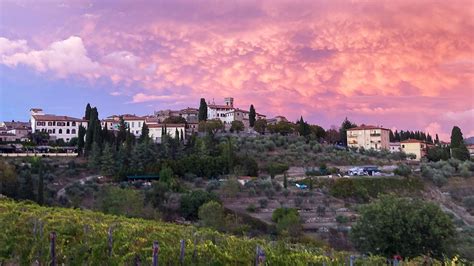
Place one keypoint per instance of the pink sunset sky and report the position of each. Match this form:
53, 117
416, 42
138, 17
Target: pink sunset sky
400, 64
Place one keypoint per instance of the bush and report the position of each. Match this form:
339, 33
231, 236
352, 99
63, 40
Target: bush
191, 202
468, 202
342, 219
402, 170
251, 208
263, 203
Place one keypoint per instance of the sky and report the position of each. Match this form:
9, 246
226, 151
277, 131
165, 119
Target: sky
406, 65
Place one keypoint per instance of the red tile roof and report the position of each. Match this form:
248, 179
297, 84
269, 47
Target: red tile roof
57, 118
167, 125
217, 106
414, 141
364, 127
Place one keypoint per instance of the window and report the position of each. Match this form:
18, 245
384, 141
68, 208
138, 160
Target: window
67, 131
139, 124
133, 124
73, 131
73, 124
61, 124
50, 131
60, 131
67, 123
50, 123
54, 123
403, 146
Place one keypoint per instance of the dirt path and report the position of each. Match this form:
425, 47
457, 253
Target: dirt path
434, 194
62, 192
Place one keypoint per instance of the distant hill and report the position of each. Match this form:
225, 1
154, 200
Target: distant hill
469, 140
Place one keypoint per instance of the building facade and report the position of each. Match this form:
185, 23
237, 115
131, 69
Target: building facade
368, 137
172, 130
416, 147
395, 147
57, 126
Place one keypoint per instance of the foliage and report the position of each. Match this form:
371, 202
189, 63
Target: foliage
362, 189
346, 124
276, 169
190, 202
439, 172
288, 221
82, 239
237, 126
124, 201
283, 128
211, 214
458, 147
211, 127
260, 126
401, 226
202, 115
437, 153
402, 170
252, 115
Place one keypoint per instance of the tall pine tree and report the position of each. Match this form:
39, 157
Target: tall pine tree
458, 147
202, 110
252, 115
346, 124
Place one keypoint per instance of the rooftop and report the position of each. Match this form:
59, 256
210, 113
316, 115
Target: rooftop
367, 127
49, 117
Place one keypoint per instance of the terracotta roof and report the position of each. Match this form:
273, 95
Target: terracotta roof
214, 106
133, 118
57, 118
413, 141
364, 127
167, 125
189, 110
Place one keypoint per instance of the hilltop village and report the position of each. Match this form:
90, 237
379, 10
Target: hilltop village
217, 174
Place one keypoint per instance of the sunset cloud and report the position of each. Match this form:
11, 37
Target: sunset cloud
403, 64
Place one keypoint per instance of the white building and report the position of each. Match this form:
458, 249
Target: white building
395, 147
156, 131
368, 137
215, 111
58, 127
227, 113
133, 122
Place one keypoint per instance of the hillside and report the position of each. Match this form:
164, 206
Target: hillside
82, 237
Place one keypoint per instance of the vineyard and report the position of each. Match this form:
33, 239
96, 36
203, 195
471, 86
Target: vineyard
92, 238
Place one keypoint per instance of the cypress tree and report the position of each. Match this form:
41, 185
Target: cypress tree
122, 132
80, 139
176, 134
437, 139
182, 135
87, 115
252, 115
458, 147
202, 110
107, 161
346, 124
94, 161
145, 132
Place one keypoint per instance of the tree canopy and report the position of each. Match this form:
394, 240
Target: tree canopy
402, 226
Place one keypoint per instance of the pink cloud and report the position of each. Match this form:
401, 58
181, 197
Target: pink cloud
397, 63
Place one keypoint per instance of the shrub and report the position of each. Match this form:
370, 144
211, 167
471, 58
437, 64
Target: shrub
263, 203
342, 219
402, 170
298, 201
251, 208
